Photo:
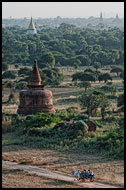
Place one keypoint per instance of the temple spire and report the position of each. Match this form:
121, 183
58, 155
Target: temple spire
31, 25
32, 28
117, 17
35, 76
101, 17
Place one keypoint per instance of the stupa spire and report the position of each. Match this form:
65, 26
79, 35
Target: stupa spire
35, 76
31, 25
101, 17
117, 17
32, 28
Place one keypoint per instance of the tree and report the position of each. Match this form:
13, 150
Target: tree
3, 87
12, 98
21, 85
51, 76
24, 71
104, 77
120, 100
87, 77
85, 60
97, 74
89, 101
9, 75
16, 66
76, 76
4, 66
77, 62
104, 57
89, 70
93, 72
10, 85
116, 70
97, 65
93, 100
47, 60
103, 104
86, 85
122, 75
113, 90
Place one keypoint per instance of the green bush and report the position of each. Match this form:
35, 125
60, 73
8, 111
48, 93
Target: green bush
97, 114
40, 120
110, 119
81, 117
98, 124
113, 97
81, 127
72, 110
105, 88
120, 122
38, 132
62, 113
109, 83
111, 143
21, 85
34, 131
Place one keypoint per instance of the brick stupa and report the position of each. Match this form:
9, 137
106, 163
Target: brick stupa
35, 98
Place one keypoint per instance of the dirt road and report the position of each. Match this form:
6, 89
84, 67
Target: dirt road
56, 175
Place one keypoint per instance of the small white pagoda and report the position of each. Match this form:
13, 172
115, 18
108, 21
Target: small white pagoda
32, 28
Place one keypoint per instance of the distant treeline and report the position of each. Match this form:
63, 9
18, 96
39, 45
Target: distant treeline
91, 22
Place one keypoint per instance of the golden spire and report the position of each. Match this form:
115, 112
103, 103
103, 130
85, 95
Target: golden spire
31, 25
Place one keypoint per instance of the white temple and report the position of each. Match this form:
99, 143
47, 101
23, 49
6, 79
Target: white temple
31, 29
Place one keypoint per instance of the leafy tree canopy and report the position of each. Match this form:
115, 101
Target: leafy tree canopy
70, 42
9, 74
117, 70
105, 77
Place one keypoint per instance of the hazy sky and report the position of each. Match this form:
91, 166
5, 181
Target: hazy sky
63, 9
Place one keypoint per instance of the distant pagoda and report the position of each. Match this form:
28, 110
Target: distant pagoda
32, 28
117, 17
35, 98
101, 17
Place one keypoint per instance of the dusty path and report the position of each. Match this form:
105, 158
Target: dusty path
56, 175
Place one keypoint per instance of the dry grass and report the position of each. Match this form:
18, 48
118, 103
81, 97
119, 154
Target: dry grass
21, 179
9, 108
109, 171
